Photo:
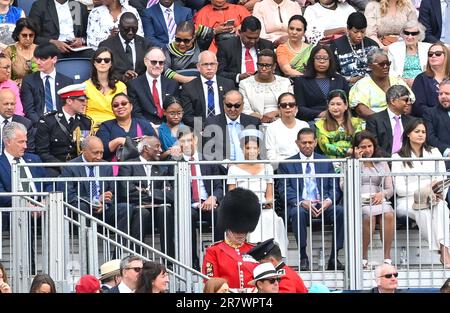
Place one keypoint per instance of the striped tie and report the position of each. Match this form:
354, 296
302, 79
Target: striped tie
151, 2
170, 25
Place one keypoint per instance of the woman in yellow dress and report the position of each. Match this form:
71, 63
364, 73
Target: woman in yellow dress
102, 87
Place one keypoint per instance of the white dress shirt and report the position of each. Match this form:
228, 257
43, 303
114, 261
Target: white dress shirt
201, 186
254, 55
158, 86
216, 94
65, 21
133, 49
52, 82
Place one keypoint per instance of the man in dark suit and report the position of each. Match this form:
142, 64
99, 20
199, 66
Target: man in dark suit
160, 21
7, 107
155, 195
127, 67
130, 268
437, 120
238, 56
94, 197
430, 15
205, 194
39, 90
221, 133
203, 97
311, 197
388, 125
59, 133
147, 92
62, 23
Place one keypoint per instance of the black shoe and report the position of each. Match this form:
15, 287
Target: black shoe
304, 264
338, 266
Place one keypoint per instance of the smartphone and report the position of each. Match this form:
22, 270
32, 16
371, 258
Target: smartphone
318, 206
229, 23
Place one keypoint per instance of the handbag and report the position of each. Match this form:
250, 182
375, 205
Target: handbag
388, 39
128, 150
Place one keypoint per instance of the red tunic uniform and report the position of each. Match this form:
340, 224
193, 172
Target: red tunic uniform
222, 260
290, 282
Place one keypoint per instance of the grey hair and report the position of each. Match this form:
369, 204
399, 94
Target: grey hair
373, 53
86, 141
127, 260
445, 81
145, 142
395, 92
415, 24
9, 130
379, 268
204, 53
233, 91
154, 48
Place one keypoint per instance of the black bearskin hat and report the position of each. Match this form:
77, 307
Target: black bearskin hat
239, 211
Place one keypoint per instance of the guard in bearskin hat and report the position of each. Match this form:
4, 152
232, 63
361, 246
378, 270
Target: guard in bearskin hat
238, 215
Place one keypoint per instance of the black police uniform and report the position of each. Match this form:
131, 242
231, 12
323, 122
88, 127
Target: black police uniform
56, 138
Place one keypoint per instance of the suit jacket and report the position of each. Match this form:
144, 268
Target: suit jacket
157, 187
291, 184
430, 15
142, 99
309, 97
114, 289
438, 128
229, 55
84, 190
154, 23
220, 141
380, 125
44, 13
121, 63
397, 55
217, 185
33, 95
5, 177
424, 88
193, 99
31, 131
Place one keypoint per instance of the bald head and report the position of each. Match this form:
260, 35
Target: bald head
7, 103
92, 149
207, 64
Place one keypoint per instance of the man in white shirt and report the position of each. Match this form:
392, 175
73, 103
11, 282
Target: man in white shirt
130, 268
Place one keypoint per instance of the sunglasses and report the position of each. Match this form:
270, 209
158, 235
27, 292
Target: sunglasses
233, 105
154, 62
407, 33
405, 98
285, 105
122, 104
99, 60
383, 64
128, 29
390, 275
136, 269
183, 40
264, 65
436, 53
319, 58
273, 280
27, 35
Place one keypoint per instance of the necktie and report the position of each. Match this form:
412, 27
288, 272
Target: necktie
279, 14
311, 186
211, 106
195, 196
48, 95
397, 142
151, 2
129, 53
236, 153
23, 174
170, 25
71, 120
249, 65
446, 27
1, 135
94, 188
156, 99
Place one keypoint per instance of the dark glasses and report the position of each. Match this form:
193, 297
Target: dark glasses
136, 269
128, 29
383, 64
273, 280
407, 33
285, 105
264, 65
183, 40
154, 62
27, 35
99, 60
233, 105
122, 104
436, 53
390, 275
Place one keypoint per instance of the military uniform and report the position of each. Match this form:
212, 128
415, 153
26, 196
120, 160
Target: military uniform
225, 261
57, 140
290, 282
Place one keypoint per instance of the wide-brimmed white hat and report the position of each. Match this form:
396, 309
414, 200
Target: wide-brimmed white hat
109, 269
263, 271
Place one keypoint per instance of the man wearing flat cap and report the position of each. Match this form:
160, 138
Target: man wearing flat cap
238, 215
59, 133
269, 252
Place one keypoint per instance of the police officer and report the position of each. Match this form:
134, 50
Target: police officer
59, 133
269, 251
238, 215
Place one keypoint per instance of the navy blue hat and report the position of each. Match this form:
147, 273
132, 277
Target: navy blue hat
263, 249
